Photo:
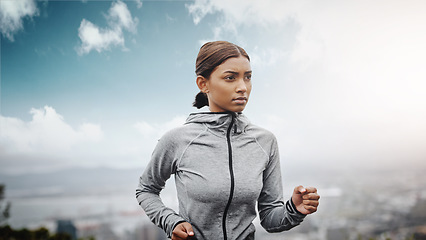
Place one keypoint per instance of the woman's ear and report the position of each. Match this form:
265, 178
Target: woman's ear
202, 84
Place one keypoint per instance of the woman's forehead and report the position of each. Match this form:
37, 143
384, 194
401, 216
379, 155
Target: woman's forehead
236, 64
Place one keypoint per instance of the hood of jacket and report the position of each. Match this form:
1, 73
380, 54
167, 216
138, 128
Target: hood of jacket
220, 121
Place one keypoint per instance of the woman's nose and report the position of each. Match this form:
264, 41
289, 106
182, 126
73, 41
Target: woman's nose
241, 86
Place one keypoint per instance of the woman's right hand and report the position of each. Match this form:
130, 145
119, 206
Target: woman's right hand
182, 231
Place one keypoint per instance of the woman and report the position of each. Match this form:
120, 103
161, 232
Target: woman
223, 164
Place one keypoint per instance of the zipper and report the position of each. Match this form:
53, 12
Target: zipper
231, 173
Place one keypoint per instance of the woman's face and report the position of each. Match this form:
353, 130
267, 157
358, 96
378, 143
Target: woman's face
229, 86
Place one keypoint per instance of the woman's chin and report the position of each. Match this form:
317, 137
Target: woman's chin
238, 108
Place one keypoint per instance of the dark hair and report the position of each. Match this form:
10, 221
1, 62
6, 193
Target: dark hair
211, 55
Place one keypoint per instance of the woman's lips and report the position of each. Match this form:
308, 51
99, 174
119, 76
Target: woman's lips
240, 100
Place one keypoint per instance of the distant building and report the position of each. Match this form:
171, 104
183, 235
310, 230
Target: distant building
419, 210
101, 231
150, 232
337, 234
67, 227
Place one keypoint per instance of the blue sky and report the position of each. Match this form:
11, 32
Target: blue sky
96, 83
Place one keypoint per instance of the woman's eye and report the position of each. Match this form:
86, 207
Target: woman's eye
229, 77
248, 77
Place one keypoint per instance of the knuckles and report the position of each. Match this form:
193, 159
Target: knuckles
311, 196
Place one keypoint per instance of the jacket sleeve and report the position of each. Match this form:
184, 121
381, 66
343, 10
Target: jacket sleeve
152, 181
275, 216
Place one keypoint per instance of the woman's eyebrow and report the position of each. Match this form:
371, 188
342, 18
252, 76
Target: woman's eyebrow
233, 72
229, 71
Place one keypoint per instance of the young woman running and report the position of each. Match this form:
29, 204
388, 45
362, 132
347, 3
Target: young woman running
223, 164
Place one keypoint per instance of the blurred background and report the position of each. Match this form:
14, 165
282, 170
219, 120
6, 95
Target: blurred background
88, 87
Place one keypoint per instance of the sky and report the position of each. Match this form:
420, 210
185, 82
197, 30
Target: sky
96, 83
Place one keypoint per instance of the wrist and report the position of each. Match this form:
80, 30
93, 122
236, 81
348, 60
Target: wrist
295, 208
177, 223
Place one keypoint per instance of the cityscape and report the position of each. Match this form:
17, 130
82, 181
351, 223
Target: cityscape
358, 204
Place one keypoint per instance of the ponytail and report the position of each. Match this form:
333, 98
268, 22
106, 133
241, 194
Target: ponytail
201, 100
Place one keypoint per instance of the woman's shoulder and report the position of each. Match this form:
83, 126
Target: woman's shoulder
177, 134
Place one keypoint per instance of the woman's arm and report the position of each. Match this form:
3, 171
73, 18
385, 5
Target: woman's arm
275, 215
153, 180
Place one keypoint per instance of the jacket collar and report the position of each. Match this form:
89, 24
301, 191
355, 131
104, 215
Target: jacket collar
220, 121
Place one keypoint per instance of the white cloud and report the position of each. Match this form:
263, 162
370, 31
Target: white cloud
12, 13
94, 38
120, 17
367, 34
46, 132
344, 79
243, 11
358, 32
267, 57
48, 142
139, 3
234, 14
170, 19
145, 128
99, 39
199, 9
154, 131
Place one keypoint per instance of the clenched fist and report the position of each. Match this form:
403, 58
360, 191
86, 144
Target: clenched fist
182, 231
306, 199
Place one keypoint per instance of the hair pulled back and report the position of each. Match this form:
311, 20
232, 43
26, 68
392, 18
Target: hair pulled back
211, 55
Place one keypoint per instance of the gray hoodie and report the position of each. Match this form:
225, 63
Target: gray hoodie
223, 166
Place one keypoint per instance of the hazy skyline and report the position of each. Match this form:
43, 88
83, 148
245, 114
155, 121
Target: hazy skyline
96, 83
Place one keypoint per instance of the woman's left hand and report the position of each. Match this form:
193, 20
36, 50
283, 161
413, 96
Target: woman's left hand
306, 199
